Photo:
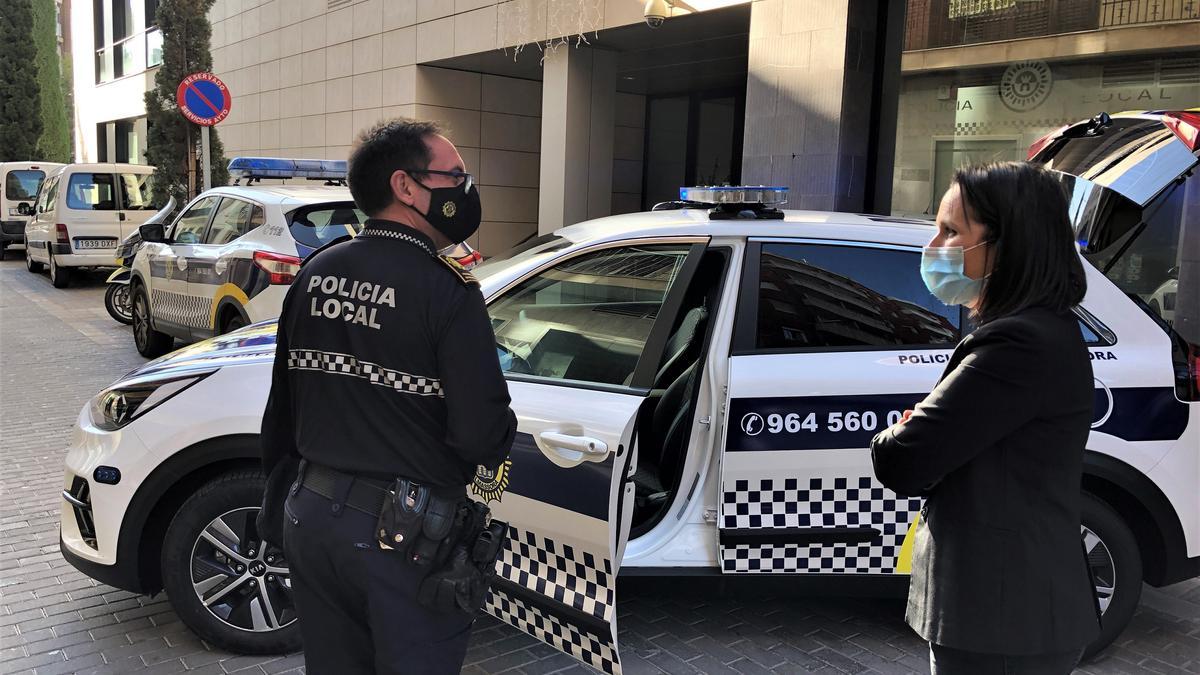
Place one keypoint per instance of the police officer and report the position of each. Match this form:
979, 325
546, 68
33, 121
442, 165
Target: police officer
385, 368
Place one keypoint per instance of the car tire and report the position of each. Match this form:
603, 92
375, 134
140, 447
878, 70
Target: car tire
116, 301
3, 249
1116, 563
149, 342
212, 549
233, 321
60, 277
31, 264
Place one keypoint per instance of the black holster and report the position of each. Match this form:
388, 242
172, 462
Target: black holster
461, 582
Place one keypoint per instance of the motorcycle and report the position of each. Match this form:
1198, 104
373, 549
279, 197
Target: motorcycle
116, 297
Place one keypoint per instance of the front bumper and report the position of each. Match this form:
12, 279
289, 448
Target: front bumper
120, 574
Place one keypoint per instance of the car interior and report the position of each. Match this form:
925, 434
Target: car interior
665, 420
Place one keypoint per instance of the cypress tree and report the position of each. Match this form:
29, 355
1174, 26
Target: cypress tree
20, 112
186, 50
54, 145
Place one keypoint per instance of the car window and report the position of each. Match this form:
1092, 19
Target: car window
189, 229
587, 318
91, 192
23, 184
231, 221
1147, 259
46, 196
135, 191
813, 296
320, 224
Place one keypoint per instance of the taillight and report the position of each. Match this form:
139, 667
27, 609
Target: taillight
1041, 143
282, 268
1186, 126
64, 237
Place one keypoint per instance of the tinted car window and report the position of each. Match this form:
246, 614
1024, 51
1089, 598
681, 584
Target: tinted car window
586, 319
1152, 261
135, 191
23, 184
46, 197
231, 221
91, 192
318, 225
1081, 154
189, 229
817, 296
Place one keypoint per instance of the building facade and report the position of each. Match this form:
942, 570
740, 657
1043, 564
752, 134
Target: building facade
574, 109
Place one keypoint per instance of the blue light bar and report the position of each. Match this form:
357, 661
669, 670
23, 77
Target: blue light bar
735, 194
275, 167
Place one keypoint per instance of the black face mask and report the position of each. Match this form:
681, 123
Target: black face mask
454, 212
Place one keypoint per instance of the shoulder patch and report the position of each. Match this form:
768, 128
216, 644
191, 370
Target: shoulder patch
461, 272
335, 242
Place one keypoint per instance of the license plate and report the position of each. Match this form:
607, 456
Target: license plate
95, 243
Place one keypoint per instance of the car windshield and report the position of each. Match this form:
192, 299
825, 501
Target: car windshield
22, 184
534, 247
320, 224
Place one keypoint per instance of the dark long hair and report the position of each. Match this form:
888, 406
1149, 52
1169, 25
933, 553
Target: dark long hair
1031, 242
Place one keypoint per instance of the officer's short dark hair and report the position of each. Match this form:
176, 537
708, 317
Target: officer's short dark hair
383, 149
1034, 259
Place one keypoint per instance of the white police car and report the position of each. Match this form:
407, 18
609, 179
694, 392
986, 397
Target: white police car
228, 258
695, 392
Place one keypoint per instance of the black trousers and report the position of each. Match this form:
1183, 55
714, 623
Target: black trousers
357, 603
949, 661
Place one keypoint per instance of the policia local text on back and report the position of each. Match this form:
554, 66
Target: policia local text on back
386, 395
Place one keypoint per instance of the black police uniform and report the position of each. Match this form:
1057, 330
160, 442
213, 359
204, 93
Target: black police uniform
385, 367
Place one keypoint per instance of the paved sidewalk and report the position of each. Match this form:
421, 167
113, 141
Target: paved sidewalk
59, 348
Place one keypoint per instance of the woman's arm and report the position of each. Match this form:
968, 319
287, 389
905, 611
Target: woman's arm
994, 391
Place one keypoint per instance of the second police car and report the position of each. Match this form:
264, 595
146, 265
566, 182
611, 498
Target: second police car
695, 390
228, 258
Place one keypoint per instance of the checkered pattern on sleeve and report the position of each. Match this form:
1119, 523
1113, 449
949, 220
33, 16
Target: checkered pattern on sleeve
187, 310
575, 578
347, 364
815, 502
596, 651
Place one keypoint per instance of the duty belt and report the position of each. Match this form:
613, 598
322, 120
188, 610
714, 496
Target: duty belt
365, 494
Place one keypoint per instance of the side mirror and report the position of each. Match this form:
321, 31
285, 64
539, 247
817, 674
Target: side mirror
25, 209
152, 232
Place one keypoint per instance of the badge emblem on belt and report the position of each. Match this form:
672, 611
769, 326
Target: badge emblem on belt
490, 485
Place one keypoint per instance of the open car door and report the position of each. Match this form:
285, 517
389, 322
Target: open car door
580, 340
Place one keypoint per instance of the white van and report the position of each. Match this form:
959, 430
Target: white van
83, 211
21, 181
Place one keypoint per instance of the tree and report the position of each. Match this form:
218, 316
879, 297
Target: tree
54, 144
20, 114
173, 143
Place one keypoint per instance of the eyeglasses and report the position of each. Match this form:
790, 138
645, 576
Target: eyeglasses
461, 178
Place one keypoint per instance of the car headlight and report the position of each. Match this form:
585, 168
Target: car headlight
124, 402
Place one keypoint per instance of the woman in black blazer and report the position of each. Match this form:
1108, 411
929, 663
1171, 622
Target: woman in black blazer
1000, 582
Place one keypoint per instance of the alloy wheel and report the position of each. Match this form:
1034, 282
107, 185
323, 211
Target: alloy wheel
141, 321
1104, 568
241, 580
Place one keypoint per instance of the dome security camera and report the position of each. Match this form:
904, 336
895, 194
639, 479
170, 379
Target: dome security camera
656, 12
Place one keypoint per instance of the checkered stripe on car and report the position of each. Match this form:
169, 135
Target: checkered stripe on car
186, 310
347, 364
597, 651
559, 571
773, 503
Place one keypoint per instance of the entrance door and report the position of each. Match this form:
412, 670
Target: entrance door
833, 341
579, 342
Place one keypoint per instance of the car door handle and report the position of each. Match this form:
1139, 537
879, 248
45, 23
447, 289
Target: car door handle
585, 445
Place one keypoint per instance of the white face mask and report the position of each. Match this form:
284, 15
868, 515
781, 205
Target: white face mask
942, 271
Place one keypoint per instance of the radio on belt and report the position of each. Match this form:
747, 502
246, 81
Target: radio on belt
731, 202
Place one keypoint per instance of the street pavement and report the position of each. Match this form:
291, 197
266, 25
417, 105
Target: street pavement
59, 347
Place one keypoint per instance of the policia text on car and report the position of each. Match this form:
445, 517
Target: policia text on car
383, 403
